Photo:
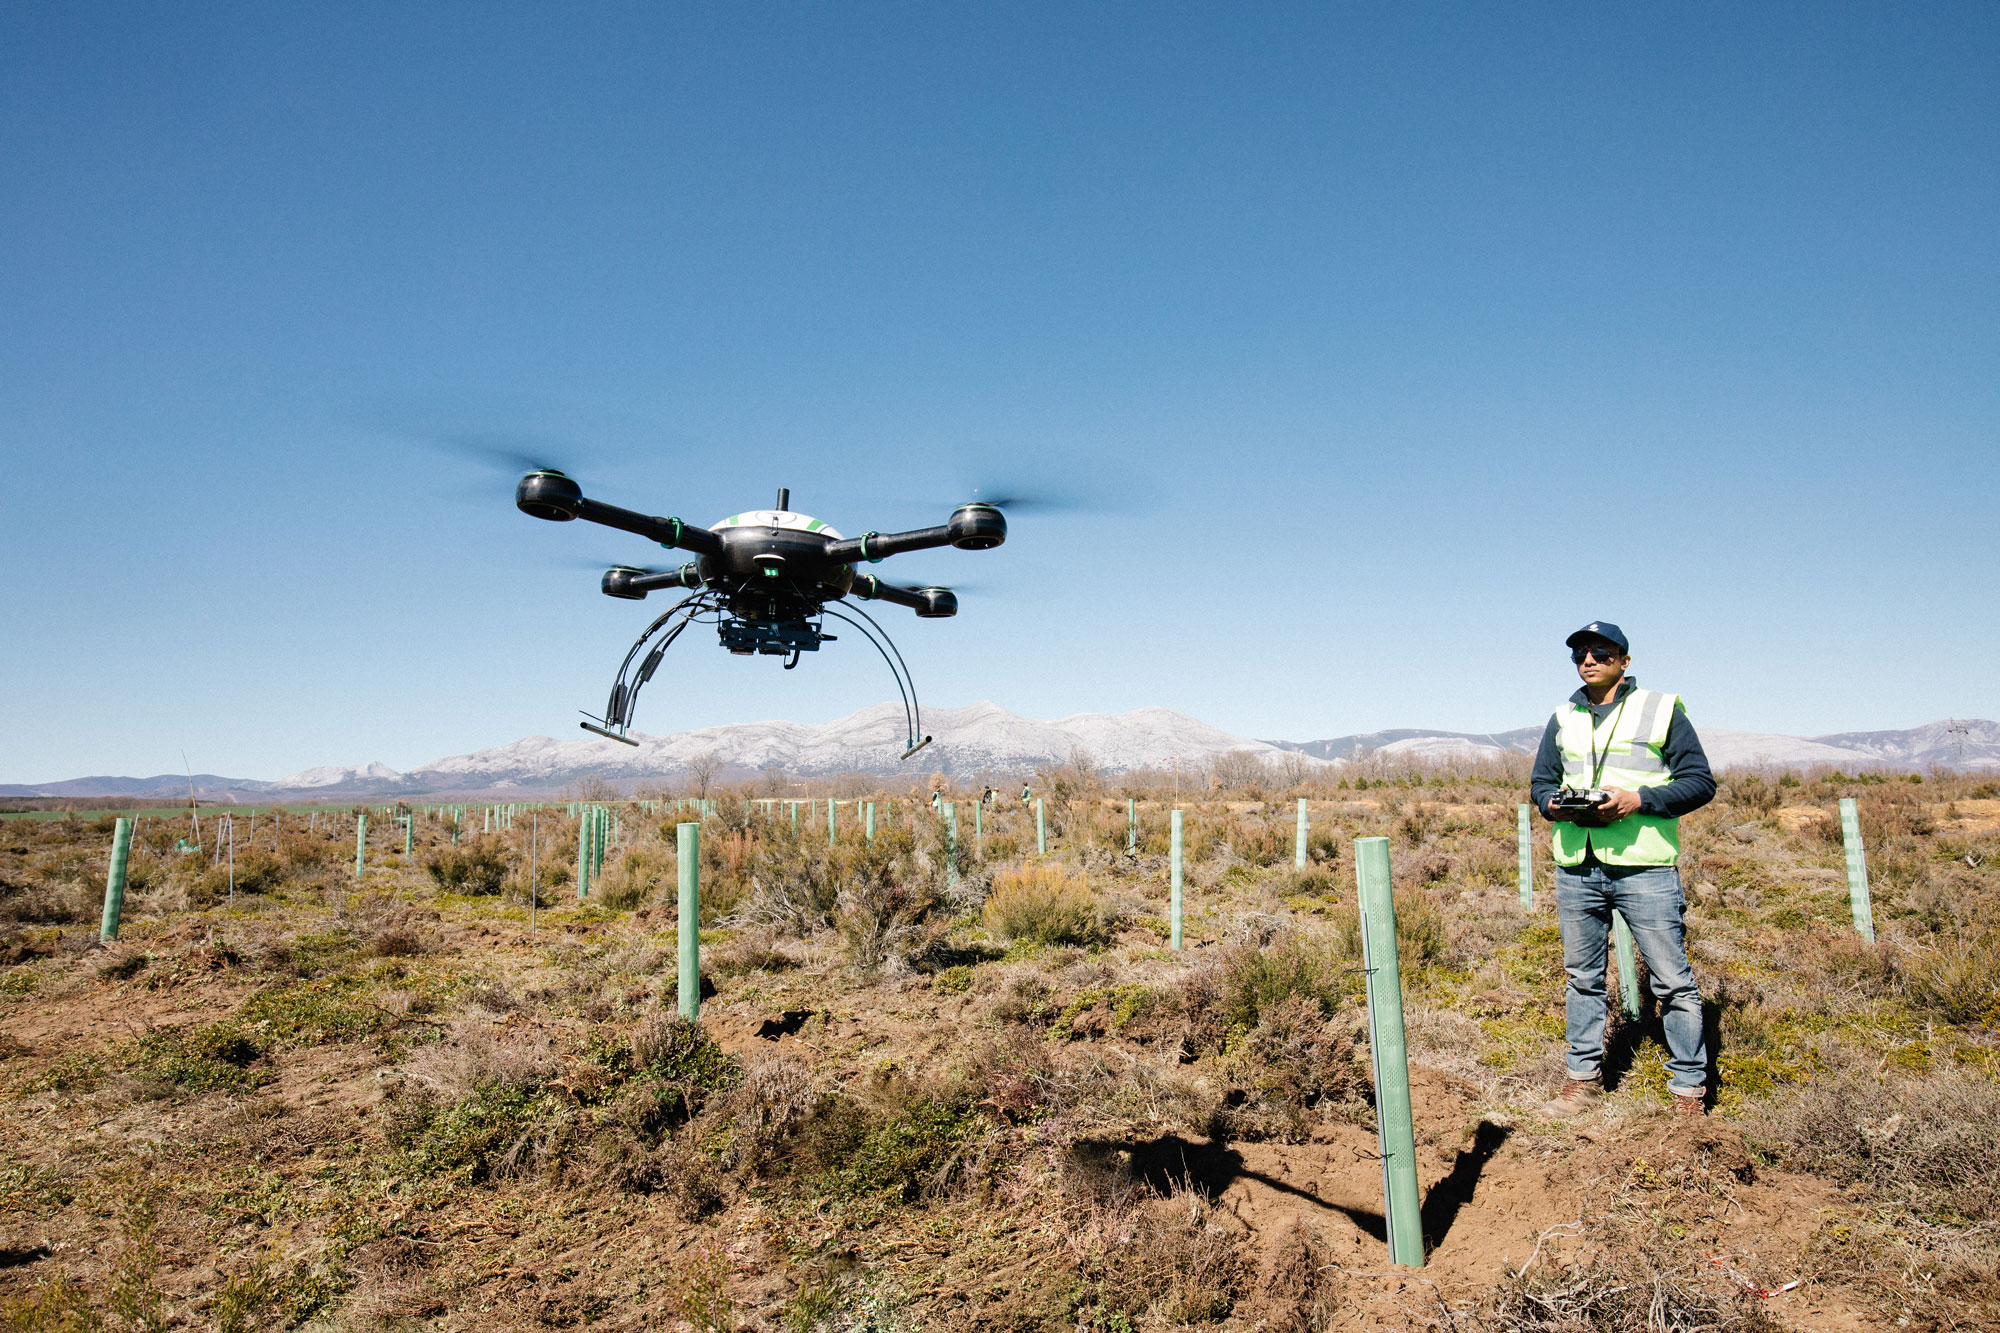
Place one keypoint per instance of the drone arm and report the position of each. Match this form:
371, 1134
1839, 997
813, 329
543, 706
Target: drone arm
877, 545
973, 527
665, 531
634, 584
928, 603
555, 497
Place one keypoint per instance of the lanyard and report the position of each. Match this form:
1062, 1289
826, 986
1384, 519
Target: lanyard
1597, 761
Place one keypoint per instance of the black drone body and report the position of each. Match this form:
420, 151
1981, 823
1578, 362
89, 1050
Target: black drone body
767, 579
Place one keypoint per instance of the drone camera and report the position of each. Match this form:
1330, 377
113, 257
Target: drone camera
938, 603
771, 638
550, 495
976, 527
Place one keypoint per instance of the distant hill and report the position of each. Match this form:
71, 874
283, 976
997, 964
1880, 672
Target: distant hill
1950, 744
981, 738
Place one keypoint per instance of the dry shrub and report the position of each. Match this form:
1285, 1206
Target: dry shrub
635, 876
1957, 979
477, 866
1633, 1291
64, 902
472, 1056
753, 951
1486, 863
1301, 1285
1422, 933
1158, 1259
1230, 994
1928, 1143
1047, 904
399, 942
1293, 1068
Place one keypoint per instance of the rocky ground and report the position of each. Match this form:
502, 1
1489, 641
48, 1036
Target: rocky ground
983, 1093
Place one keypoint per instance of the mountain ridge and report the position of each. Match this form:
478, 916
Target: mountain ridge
981, 740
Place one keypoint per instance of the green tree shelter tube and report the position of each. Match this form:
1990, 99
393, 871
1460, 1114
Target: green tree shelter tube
1527, 859
1174, 882
1628, 966
1400, 1208
1299, 839
1041, 829
1857, 869
688, 854
360, 841
114, 881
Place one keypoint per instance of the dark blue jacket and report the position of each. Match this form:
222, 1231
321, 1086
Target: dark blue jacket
1691, 786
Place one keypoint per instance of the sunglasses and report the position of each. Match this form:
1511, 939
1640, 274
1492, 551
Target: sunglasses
1595, 654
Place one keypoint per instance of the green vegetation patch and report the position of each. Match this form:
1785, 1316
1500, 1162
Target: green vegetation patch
205, 1058
330, 1008
906, 1156
473, 1139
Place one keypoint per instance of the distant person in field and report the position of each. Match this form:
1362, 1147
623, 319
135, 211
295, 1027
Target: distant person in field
1635, 757
986, 797
1026, 794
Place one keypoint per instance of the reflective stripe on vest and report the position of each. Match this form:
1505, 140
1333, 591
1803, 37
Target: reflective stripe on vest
1631, 745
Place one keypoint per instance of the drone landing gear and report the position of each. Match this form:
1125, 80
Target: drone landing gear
660, 635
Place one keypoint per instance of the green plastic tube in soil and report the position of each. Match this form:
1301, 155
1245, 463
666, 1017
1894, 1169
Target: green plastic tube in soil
1041, 829
1857, 869
1131, 825
583, 855
868, 815
360, 842
1628, 965
832, 824
114, 881
1527, 860
1174, 880
1403, 1219
1299, 839
688, 854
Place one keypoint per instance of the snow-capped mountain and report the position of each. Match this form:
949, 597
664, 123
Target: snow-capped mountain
985, 738
980, 738
1949, 744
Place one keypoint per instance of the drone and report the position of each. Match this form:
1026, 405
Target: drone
768, 579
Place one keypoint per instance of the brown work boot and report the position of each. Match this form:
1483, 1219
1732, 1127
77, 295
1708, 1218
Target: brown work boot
1577, 1096
1691, 1105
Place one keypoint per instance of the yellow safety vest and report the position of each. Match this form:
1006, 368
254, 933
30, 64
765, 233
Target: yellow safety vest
1630, 753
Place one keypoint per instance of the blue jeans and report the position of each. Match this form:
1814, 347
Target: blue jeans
1649, 898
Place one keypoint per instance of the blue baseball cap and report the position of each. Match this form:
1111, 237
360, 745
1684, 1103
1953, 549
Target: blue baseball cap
1600, 629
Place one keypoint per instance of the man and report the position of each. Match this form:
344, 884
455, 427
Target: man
1617, 852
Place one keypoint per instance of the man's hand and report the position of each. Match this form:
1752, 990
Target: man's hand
1621, 804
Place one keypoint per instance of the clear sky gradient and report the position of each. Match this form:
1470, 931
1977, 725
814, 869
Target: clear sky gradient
1389, 343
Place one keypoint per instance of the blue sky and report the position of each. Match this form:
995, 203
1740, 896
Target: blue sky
1392, 342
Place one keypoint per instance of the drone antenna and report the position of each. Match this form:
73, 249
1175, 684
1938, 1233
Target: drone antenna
785, 499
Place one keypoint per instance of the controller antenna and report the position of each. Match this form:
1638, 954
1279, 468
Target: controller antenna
785, 498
